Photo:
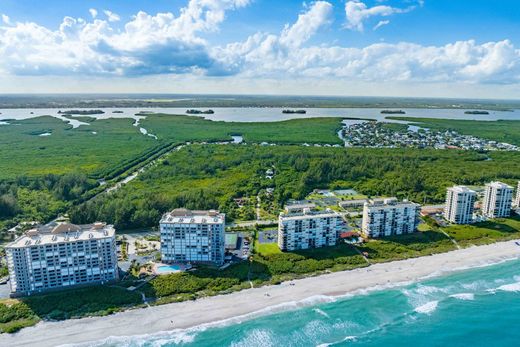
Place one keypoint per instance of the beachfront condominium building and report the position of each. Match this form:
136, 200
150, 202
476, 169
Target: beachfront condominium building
518, 195
460, 202
498, 199
60, 255
304, 228
389, 217
193, 236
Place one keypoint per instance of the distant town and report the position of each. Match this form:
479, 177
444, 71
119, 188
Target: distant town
380, 134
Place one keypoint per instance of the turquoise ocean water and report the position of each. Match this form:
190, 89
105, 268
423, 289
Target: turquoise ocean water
474, 307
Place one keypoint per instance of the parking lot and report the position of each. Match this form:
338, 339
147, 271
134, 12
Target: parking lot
242, 250
268, 236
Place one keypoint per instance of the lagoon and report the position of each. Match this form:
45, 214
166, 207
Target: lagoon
264, 114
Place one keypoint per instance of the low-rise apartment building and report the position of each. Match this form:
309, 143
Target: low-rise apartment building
60, 255
193, 236
307, 228
352, 204
460, 204
498, 200
389, 217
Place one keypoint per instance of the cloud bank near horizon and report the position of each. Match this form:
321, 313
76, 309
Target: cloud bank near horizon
161, 44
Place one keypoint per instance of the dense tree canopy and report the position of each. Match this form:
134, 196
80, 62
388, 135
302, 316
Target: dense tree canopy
211, 176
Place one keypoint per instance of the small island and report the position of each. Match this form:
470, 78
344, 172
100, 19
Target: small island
476, 112
81, 112
393, 112
117, 111
199, 112
294, 111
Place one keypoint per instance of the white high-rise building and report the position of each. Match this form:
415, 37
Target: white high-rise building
460, 201
390, 217
306, 228
518, 195
497, 200
60, 255
193, 236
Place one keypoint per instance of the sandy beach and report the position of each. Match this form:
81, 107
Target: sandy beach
253, 302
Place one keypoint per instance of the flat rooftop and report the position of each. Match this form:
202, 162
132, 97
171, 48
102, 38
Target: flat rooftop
351, 202
499, 185
461, 189
299, 206
185, 216
55, 232
309, 215
381, 205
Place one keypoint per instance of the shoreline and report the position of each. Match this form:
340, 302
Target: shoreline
250, 303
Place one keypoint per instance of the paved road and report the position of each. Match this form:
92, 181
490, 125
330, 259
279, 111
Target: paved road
5, 289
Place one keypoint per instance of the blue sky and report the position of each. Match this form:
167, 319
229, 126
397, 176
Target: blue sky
453, 48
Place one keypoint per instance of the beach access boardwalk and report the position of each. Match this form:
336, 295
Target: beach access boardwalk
258, 301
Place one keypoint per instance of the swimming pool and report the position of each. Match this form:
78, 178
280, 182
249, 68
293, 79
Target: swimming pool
168, 268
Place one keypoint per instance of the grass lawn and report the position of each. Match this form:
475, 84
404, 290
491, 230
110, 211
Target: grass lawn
485, 232
267, 248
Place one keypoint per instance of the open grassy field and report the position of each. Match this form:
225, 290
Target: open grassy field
501, 130
267, 248
486, 232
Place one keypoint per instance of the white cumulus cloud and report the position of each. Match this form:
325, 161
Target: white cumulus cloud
265, 55
268, 52
358, 12
93, 12
380, 24
164, 43
111, 16
148, 44
6, 19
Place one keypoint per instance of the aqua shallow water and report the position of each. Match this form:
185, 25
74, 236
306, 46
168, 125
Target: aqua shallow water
476, 307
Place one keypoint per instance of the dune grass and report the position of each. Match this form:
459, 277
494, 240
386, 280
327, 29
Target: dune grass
500, 229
